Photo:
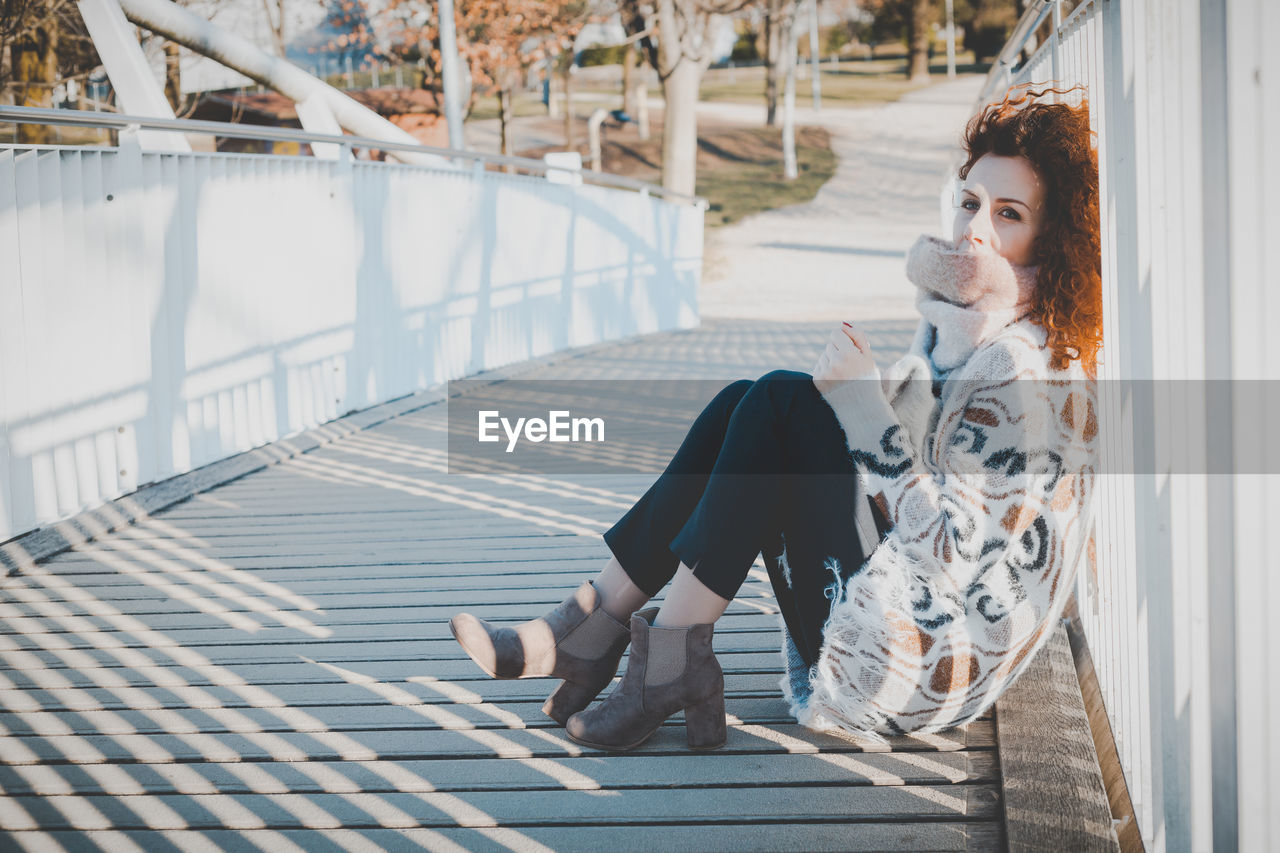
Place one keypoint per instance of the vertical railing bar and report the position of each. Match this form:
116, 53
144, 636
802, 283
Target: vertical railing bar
1056, 47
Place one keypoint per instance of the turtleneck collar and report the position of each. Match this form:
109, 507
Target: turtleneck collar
966, 296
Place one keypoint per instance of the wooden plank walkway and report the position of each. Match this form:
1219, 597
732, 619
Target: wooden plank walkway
268, 665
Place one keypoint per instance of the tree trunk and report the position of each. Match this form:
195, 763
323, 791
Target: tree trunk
628, 81
918, 21
642, 106
789, 62
34, 56
568, 108
683, 56
773, 41
680, 128
276, 24
172, 76
504, 126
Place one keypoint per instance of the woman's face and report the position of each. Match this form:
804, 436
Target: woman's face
1000, 208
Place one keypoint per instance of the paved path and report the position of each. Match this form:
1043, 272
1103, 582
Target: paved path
841, 255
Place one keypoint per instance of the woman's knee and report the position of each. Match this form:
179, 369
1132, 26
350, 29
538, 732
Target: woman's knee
733, 392
784, 384
784, 375
800, 411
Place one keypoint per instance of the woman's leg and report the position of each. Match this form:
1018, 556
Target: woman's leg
583, 639
619, 595
642, 564
783, 474
783, 484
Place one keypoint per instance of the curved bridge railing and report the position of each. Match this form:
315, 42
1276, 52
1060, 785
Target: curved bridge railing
160, 311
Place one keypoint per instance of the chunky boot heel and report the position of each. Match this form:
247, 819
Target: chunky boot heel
704, 722
568, 699
669, 669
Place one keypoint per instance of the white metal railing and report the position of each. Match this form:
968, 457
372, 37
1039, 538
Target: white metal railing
1180, 614
339, 142
160, 311
1001, 75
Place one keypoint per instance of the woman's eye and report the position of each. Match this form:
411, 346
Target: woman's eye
1013, 214
969, 204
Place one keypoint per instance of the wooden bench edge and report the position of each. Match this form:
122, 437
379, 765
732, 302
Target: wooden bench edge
1051, 782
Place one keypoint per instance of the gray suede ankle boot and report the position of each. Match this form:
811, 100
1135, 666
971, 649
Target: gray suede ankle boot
578, 641
669, 669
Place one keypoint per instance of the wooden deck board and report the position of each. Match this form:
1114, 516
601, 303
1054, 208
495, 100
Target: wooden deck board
698, 838
407, 713
1055, 798
304, 693
497, 808
268, 664
421, 742
498, 774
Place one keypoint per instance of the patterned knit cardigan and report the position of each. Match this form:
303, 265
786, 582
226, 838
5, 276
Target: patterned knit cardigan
989, 488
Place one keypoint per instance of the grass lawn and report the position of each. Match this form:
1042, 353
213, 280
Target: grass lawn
739, 168
852, 83
740, 187
523, 104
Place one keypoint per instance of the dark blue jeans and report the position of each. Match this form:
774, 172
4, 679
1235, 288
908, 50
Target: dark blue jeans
764, 467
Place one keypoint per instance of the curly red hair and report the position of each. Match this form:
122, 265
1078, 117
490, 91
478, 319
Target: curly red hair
1057, 141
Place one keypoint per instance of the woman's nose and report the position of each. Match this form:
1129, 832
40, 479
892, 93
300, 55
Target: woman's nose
977, 231
972, 236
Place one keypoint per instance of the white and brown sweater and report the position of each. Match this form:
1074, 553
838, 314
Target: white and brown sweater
989, 489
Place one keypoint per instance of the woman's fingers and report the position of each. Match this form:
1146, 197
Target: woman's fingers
839, 341
857, 337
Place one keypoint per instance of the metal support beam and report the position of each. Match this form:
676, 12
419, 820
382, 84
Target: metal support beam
177, 24
137, 90
449, 68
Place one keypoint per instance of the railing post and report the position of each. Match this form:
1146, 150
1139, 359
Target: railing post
346, 211
1055, 47
129, 137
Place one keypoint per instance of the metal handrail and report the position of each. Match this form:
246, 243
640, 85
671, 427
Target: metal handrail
1002, 70
121, 121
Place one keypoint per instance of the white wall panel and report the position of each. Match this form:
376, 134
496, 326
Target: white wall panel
1177, 615
159, 312
1253, 80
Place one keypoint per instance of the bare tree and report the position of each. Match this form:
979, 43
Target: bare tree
634, 90
922, 13
498, 39
47, 43
918, 17
779, 16
681, 55
274, 10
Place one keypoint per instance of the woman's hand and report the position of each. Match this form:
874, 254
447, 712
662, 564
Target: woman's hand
847, 356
